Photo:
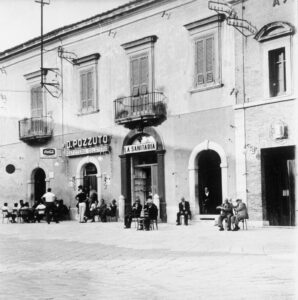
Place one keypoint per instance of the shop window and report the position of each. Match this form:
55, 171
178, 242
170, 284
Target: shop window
277, 72
87, 70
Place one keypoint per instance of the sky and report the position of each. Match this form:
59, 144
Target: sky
20, 19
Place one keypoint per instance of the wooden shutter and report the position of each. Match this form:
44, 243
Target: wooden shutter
200, 62
36, 103
135, 71
83, 82
281, 71
209, 59
144, 75
90, 90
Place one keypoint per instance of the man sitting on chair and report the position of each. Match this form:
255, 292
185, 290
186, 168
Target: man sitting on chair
184, 210
226, 212
134, 213
241, 213
150, 213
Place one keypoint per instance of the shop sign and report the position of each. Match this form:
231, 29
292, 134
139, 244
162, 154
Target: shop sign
48, 153
89, 145
87, 151
89, 142
277, 2
139, 148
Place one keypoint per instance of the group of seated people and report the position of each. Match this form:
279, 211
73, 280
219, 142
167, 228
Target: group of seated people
227, 210
36, 213
144, 216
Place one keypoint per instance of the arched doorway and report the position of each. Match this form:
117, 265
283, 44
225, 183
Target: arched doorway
39, 183
209, 175
142, 168
90, 177
193, 171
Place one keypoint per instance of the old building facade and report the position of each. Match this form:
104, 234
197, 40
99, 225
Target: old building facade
157, 98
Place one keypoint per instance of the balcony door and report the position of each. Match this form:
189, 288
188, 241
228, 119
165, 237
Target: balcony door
139, 70
36, 110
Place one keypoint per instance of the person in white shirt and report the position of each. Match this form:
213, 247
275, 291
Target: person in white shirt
49, 199
7, 213
39, 212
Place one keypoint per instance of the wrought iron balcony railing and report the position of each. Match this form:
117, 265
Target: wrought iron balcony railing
34, 129
140, 111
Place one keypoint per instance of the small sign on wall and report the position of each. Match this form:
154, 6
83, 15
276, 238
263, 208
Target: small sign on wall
48, 153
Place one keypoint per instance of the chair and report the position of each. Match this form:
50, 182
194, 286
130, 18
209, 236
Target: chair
153, 222
244, 223
5, 216
135, 221
182, 221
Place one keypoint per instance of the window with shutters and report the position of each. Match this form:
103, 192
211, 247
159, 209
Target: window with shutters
87, 80
87, 99
139, 73
206, 42
204, 60
277, 72
36, 102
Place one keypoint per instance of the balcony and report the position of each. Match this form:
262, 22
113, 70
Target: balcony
137, 112
36, 129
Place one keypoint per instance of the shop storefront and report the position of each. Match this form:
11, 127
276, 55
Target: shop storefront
142, 168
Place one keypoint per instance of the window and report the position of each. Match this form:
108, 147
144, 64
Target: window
88, 83
204, 56
277, 72
139, 70
141, 53
276, 43
206, 34
36, 102
87, 100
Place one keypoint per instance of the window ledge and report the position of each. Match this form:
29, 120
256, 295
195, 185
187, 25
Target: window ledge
206, 87
265, 101
87, 113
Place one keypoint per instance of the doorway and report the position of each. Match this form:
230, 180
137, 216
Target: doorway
209, 175
90, 177
278, 184
144, 176
39, 184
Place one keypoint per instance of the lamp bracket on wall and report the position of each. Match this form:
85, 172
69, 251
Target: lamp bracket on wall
67, 55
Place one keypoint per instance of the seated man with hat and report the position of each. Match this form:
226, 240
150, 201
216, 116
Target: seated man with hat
226, 212
241, 214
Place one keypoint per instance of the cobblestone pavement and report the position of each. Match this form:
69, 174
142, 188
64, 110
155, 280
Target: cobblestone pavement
104, 261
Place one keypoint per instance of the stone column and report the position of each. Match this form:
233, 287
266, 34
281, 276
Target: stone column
161, 184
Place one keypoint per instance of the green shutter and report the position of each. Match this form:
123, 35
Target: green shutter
90, 89
144, 75
36, 102
209, 59
200, 62
134, 71
83, 81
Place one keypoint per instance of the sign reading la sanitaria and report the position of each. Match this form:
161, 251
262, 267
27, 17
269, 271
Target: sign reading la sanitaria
89, 145
139, 148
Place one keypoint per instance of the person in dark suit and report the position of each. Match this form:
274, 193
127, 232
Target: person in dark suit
206, 200
150, 213
241, 214
134, 213
226, 212
184, 210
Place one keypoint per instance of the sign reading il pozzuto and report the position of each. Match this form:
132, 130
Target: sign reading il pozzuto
89, 145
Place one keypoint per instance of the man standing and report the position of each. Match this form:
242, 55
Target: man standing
184, 210
226, 212
49, 199
241, 213
206, 200
81, 198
